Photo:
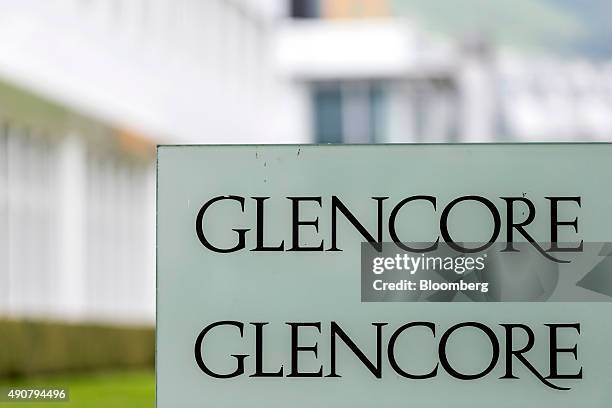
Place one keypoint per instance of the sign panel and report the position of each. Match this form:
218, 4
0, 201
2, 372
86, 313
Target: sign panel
429, 275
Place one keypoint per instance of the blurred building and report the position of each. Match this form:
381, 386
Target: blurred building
76, 215
375, 76
544, 98
88, 87
185, 71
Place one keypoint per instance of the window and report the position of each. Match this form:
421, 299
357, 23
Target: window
304, 9
328, 114
351, 112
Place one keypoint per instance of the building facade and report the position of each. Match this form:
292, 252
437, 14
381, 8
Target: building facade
375, 76
75, 214
89, 87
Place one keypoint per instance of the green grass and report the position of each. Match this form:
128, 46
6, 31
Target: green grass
116, 390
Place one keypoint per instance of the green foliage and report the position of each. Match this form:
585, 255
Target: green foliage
31, 347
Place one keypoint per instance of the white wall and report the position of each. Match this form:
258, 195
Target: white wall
179, 70
76, 237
